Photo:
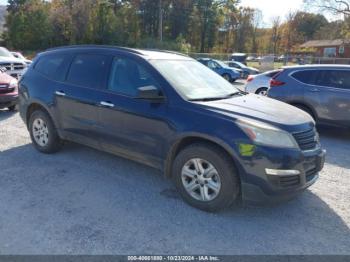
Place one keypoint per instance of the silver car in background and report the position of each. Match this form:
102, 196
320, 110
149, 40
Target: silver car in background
259, 84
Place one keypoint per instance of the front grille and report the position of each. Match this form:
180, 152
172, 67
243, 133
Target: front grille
289, 181
307, 140
6, 91
18, 66
12, 66
309, 175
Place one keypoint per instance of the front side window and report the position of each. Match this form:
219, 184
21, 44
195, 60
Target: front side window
89, 70
53, 66
193, 80
335, 78
127, 76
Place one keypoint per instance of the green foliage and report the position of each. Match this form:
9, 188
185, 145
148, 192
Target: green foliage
219, 26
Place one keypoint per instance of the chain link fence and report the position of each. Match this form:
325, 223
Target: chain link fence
265, 62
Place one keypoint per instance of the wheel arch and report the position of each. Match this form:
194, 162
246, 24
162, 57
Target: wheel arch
37, 105
190, 139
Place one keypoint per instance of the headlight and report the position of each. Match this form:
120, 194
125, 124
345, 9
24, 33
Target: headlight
267, 135
13, 84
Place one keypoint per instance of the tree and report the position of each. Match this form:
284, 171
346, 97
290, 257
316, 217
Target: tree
333, 6
275, 34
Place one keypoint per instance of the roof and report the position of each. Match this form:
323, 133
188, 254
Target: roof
324, 43
146, 53
316, 66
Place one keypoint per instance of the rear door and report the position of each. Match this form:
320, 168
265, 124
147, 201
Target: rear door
333, 93
78, 98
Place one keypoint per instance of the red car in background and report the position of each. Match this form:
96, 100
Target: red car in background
8, 91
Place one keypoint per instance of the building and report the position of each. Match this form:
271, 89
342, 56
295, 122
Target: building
338, 48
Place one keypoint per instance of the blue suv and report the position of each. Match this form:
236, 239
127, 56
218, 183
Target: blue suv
222, 69
170, 112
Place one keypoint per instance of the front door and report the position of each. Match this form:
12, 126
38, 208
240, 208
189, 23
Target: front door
131, 126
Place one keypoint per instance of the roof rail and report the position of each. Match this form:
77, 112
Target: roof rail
96, 46
166, 51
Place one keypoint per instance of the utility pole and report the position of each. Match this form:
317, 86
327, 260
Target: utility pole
160, 21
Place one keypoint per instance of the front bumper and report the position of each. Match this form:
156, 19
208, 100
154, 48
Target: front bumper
8, 100
259, 187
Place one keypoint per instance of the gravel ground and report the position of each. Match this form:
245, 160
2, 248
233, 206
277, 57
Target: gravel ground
82, 201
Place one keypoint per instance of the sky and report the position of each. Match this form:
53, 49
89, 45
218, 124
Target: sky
273, 8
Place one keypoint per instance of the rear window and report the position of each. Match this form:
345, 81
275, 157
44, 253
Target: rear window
53, 66
273, 73
306, 76
89, 70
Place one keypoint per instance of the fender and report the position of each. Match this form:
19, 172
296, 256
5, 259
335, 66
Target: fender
200, 137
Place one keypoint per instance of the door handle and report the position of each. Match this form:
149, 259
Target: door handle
106, 104
60, 93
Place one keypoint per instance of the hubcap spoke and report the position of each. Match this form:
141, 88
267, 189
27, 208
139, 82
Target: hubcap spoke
40, 132
201, 180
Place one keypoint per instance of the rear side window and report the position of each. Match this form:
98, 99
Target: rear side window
53, 66
89, 70
306, 76
335, 78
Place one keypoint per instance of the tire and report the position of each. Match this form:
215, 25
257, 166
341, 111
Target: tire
224, 177
43, 133
262, 91
12, 108
227, 77
306, 110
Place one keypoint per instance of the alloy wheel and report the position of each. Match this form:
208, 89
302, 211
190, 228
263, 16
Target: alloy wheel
201, 180
40, 132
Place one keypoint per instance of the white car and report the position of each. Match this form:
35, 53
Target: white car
20, 56
259, 84
14, 67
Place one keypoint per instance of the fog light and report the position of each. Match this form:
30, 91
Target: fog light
281, 172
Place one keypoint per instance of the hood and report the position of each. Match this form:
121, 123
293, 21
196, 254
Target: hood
5, 59
253, 69
5, 78
233, 69
263, 109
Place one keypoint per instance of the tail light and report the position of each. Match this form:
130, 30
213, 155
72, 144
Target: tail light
250, 78
274, 82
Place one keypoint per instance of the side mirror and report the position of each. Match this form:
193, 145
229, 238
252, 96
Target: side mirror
150, 93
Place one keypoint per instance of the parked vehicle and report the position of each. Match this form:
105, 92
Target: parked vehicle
20, 56
222, 69
259, 84
166, 110
15, 67
239, 57
8, 91
323, 91
246, 69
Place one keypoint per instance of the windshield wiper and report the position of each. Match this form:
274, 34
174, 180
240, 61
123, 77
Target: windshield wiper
207, 99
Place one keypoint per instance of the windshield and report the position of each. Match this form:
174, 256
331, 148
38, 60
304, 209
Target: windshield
222, 64
240, 64
193, 80
4, 52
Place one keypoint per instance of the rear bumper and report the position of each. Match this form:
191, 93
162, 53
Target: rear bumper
8, 100
266, 189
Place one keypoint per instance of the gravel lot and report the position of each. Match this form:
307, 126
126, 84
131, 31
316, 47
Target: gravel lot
82, 201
